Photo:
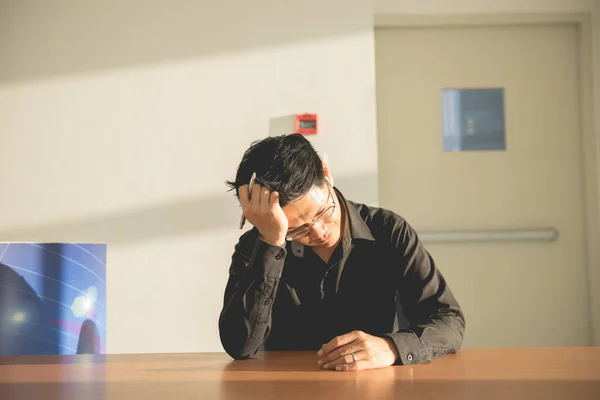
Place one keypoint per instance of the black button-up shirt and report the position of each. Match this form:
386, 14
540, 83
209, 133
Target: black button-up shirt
290, 299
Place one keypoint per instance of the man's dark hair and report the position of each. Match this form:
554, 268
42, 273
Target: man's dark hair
288, 164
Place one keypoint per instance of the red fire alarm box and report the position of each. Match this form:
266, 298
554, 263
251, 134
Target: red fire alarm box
306, 124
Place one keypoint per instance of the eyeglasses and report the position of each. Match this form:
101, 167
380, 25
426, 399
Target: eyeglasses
323, 216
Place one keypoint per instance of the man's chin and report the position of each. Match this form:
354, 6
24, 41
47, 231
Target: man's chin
329, 242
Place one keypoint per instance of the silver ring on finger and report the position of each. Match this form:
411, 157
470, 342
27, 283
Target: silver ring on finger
354, 357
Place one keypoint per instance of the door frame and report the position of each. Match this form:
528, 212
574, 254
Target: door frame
591, 138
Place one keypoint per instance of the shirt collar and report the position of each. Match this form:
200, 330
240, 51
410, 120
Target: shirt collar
356, 224
356, 228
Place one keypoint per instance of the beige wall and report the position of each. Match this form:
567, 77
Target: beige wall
120, 122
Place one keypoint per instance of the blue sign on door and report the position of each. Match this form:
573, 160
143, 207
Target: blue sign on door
473, 119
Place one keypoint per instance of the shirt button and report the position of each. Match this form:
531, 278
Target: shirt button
268, 301
409, 357
278, 256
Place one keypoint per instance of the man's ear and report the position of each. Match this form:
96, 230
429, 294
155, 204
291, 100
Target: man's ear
327, 173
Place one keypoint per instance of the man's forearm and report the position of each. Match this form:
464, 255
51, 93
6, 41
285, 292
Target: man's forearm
249, 297
437, 323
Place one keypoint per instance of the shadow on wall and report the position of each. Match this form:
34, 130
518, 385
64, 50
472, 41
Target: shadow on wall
163, 220
41, 39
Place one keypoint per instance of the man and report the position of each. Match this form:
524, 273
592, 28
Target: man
320, 272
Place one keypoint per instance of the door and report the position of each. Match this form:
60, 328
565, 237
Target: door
514, 293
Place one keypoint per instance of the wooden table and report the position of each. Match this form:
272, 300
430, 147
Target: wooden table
555, 373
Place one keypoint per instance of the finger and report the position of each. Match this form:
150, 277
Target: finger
255, 199
265, 199
339, 341
348, 349
243, 195
346, 359
256, 189
354, 366
274, 200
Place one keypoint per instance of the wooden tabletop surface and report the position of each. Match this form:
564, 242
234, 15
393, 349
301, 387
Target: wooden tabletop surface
541, 373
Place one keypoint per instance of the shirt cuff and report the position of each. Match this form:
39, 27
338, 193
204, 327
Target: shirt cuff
410, 348
272, 257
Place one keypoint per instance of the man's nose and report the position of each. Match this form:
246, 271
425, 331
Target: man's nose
317, 230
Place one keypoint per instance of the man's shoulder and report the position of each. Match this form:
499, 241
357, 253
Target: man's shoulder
376, 214
382, 222
388, 228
